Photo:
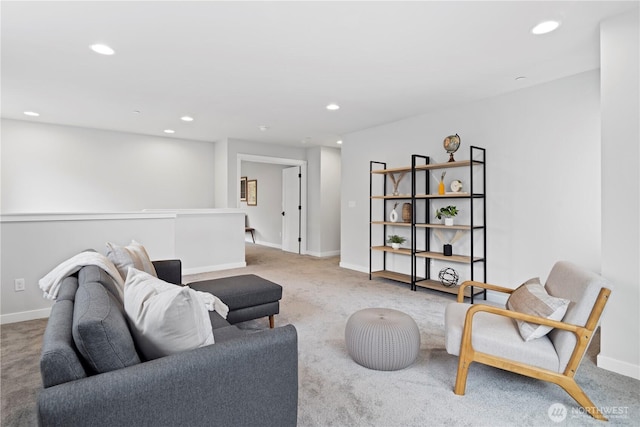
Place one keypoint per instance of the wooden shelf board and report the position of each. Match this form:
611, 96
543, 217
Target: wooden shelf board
430, 196
434, 284
418, 225
431, 166
402, 251
452, 258
398, 277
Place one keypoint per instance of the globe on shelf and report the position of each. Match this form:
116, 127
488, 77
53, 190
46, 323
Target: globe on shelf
448, 277
451, 145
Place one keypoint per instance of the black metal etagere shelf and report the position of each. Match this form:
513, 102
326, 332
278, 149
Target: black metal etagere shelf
421, 256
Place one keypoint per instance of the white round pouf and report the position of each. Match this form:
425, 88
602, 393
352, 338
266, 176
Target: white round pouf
382, 339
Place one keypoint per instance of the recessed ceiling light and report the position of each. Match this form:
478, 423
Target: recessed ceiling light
339, 142
186, 118
102, 49
263, 128
31, 113
545, 27
333, 107
136, 111
169, 131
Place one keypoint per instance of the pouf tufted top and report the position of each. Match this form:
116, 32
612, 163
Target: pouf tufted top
383, 339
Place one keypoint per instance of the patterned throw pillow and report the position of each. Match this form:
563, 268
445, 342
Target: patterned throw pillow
531, 298
133, 255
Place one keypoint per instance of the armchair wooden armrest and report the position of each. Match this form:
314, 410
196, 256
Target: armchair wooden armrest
483, 286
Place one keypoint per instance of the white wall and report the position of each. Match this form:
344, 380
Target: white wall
54, 168
324, 209
543, 179
620, 47
34, 246
266, 217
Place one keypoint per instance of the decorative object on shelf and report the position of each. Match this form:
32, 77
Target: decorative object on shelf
407, 211
396, 182
448, 212
451, 145
448, 277
456, 186
396, 241
393, 215
447, 248
252, 192
441, 184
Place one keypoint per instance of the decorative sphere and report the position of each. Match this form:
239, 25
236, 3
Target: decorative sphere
448, 277
451, 143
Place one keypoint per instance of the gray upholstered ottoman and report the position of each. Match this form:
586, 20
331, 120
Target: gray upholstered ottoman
382, 339
248, 296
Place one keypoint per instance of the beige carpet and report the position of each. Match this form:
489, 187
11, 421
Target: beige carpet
318, 298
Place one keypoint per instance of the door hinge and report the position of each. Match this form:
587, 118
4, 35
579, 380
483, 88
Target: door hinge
299, 207
299, 239
299, 175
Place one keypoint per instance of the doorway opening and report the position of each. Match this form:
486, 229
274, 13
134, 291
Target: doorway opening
295, 231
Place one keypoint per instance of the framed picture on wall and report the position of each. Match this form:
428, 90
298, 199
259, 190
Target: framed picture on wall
243, 189
252, 192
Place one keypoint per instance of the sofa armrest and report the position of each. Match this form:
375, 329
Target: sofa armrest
251, 380
169, 270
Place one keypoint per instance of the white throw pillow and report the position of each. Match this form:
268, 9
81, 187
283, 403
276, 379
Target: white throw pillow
532, 298
133, 255
164, 318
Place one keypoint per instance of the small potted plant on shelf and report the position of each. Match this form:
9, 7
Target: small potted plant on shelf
396, 241
447, 212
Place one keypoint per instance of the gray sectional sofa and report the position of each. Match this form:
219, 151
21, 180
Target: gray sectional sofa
99, 378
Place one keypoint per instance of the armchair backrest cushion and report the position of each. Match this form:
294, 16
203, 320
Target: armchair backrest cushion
581, 287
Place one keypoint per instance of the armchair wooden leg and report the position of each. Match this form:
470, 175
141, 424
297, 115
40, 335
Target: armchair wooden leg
574, 390
461, 377
272, 321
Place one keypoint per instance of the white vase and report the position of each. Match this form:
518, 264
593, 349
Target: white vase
395, 245
393, 216
448, 221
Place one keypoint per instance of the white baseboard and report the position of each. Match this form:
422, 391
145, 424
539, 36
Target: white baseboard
618, 366
23, 316
208, 268
324, 254
355, 267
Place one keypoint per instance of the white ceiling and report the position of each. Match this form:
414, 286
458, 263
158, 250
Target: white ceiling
234, 66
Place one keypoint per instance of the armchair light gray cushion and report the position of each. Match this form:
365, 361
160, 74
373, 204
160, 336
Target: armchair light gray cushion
495, 334
581, 287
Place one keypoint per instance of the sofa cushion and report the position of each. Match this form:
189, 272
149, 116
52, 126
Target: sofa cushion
165, 318
68, 289
133, 255
93, 273
59, 362
100, 329
531, 298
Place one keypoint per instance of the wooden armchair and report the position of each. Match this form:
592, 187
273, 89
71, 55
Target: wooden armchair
489, 334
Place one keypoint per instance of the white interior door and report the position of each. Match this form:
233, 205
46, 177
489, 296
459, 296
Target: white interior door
291, 209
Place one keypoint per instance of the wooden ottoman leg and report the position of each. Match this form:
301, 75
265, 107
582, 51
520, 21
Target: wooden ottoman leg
272, 321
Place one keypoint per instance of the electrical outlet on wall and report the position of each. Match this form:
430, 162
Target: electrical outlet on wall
19, 285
